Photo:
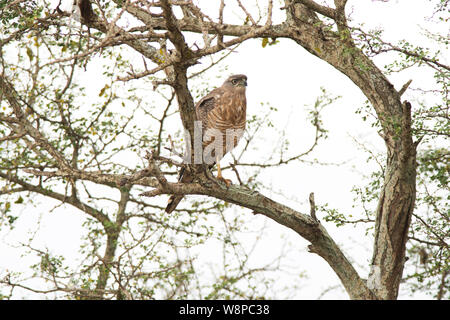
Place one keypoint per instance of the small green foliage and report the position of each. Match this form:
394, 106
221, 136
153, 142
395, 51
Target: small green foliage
266, 41
332, 215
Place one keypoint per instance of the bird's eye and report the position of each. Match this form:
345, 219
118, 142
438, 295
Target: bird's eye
234, 81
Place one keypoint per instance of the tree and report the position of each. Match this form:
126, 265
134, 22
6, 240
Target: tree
60, 149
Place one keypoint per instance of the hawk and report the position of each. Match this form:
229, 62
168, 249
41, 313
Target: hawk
222, 114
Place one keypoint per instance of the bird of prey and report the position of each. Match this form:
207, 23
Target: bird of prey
222, 114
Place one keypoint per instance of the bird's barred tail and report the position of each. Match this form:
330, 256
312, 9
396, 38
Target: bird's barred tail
174, 200
186, 177
173, 203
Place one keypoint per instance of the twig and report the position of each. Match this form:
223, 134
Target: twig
312, 203
233, 167
172, 148
249, 17
153, 168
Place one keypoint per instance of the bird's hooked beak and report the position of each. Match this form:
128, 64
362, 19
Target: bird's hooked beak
244, 82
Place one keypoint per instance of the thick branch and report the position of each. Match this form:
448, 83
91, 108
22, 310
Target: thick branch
323, 10
175, 34
98, 215
304, 225
112, 236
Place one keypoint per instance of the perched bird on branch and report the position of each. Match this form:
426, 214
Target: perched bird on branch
222, 114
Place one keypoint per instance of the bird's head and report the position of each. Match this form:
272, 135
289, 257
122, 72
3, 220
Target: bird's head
237, 81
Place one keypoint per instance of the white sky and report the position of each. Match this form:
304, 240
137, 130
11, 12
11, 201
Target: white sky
288, 78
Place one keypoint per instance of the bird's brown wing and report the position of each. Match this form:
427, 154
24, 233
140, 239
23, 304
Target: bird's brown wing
207, 104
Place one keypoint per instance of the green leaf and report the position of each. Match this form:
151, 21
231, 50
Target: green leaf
102, 92
30, 54
265, 41
19, 200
